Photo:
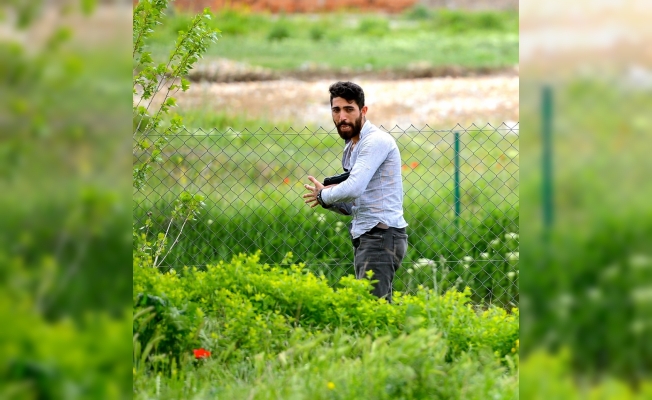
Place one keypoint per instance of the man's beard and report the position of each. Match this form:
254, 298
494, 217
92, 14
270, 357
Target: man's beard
356, 128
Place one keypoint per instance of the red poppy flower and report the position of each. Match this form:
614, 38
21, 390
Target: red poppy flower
414, 165
201, 353
404, 167
286, 181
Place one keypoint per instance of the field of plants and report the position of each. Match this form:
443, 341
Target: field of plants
242, 329
240, 290
354, 41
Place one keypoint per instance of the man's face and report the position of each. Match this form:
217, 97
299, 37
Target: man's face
347, 117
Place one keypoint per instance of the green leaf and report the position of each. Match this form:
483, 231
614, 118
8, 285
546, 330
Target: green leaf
146, 58
176, 120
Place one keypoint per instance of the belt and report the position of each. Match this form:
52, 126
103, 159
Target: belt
380, 227
387, 232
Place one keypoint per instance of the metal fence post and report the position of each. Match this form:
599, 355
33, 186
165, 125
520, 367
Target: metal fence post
457, 180
546, 132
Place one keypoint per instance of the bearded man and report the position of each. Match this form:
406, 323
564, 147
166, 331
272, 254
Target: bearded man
372, 194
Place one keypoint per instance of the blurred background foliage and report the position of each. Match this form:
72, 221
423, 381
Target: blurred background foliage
589, 273
65, 212
364, 41
585, 294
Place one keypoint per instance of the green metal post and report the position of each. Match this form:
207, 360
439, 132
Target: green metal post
457, 179
546, 131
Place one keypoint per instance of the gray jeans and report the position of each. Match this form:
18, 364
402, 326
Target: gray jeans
380, 251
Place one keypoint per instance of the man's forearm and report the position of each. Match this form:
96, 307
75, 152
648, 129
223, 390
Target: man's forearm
342, 208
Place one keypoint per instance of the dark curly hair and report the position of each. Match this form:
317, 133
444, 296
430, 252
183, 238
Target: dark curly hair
348, 91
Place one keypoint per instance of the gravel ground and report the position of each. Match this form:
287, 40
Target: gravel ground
439, 102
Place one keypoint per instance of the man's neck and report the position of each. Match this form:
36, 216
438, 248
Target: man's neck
356, 139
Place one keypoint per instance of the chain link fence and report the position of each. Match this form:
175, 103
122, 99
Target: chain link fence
461, 204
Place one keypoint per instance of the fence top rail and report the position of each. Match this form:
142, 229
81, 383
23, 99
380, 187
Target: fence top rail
508, 128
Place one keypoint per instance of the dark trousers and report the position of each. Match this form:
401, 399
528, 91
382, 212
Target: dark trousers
380, 251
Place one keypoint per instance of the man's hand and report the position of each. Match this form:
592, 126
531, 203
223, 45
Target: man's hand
311, 196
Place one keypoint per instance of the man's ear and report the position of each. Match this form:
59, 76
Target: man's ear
363, 110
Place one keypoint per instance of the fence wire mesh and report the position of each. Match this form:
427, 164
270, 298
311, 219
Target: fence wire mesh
461, 204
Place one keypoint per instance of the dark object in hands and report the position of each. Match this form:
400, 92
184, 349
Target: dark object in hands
333, 180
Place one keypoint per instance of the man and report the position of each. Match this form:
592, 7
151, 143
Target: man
373, 192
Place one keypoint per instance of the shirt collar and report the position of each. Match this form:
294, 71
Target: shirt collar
365, 128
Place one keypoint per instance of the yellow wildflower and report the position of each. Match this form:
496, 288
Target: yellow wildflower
330, 385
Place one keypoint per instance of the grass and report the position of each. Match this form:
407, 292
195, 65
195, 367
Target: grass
252, 183
279, 332
411, 367
363, 53
195, 119
359, 41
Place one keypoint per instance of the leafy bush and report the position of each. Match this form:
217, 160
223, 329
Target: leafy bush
241, 308
317, 32
232, 21
418, 12
279, 31
58, 357
458, 21
280, 331
547, 375
489, 21
373, 26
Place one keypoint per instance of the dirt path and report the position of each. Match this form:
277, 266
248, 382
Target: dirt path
438, 102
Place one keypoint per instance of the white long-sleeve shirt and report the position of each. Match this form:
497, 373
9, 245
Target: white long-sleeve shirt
374, 188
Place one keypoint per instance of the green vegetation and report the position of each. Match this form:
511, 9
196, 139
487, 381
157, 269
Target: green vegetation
285, 329
50, 356
359, 41
63, 218
196, 119
597, 258
280, 323
545, 375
